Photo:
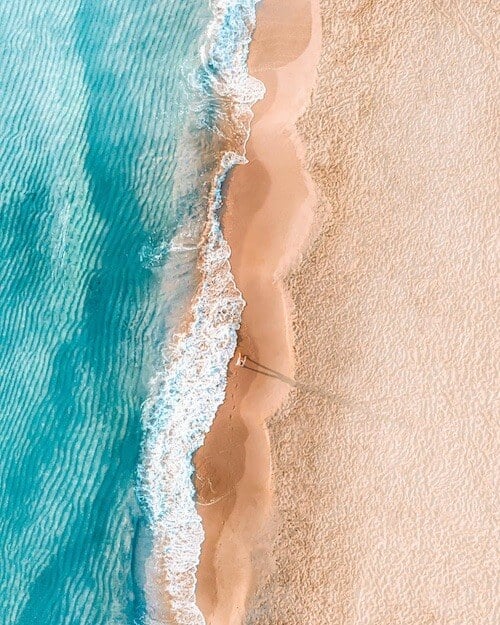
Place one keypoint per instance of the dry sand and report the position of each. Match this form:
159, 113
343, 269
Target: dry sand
384, 467
386, 494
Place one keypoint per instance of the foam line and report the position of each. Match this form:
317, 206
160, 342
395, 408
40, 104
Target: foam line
191, 386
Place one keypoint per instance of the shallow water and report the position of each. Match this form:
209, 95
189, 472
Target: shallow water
112, 126
93, 97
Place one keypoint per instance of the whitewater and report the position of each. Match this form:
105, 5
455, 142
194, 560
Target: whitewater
190, 386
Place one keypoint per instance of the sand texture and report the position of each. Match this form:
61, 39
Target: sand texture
385, 474
267, 218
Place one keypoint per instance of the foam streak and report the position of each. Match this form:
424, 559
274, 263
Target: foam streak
191, 386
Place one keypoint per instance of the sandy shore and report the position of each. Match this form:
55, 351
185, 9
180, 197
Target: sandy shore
268, 215
385, 480
383, 462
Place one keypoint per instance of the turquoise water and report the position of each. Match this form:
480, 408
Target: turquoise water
93, 97
113, 150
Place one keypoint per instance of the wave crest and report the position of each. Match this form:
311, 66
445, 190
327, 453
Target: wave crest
190, 387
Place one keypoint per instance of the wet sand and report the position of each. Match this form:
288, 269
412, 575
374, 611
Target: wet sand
267, 217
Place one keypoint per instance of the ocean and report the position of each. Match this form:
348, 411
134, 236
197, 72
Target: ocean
119, 121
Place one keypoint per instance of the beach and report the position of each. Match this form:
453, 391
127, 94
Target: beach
249, 355
267, 214
362, 235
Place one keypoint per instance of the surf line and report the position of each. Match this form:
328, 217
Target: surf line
187, 392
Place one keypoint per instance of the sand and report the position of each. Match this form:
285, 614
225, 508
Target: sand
267, 217
382, 278
385, 493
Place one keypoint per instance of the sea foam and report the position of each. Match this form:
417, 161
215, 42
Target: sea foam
190, 387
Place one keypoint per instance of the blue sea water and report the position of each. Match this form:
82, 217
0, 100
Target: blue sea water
113, 150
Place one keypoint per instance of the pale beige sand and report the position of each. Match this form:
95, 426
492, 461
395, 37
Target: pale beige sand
267, 217
386, 490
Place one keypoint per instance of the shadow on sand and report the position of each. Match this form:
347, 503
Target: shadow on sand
272, 373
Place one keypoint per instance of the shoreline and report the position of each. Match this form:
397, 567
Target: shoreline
268, 214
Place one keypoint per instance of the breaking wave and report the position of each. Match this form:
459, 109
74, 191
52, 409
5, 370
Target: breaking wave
190, 386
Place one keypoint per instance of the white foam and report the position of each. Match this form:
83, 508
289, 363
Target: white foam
187, 392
